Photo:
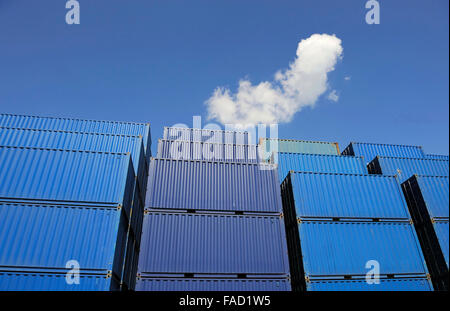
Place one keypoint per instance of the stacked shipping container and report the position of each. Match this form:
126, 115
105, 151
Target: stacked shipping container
333, 208
428, 201
212, 224
71, 199
340, 226
424, 181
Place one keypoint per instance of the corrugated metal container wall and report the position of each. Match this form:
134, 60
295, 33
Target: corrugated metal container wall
218, 186
404, 168
206, 135
78, 125
49, 235
216, 244
299, 146
211, 284
54, 281
441, 229
80, 141
435, 192
370, 150
317, 164
437, 157
81, 176
186, 150
427, 199
326, 248
346, 195
412, 284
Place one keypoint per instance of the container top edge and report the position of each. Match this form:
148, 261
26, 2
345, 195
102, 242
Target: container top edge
78, 119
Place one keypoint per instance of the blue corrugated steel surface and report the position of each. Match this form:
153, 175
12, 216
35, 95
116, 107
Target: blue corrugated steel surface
211, 284
317, 164
219, 186
80, 141
435, 192
437, 157
78, 125
407, 167
370, 150
298, 146
45, 174
347, 195
186, 150
344, 248
441, 229
50, 235
51, 281
412, 284
217, 244
207, 135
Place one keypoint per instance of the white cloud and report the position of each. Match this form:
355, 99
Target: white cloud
347, 78
293, 89
333, 96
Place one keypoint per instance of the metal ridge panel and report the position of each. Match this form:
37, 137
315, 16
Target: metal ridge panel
437, 156
435, 193
36, 173
343, 195
206, 135
403, 284
45, 281
66, 150
218, 244
370, 150
79, 125
441, 228
203, 129
48, 237
340, 248
202, 185
384, 144
317, 163
189, 150
206, 143
66, 118
299, 146
55, 140
297, 140
67, 132
211, 284
407, 167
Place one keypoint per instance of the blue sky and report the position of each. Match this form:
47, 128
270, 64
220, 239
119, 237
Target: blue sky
159, 61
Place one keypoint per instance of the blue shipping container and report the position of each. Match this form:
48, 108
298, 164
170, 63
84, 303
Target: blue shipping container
213, 244
272, 145
437, 157
404, 168
50, 235
441, 229
55, 281
320, 195
403, 284
66, 175
207, 135
211, 284
317, 163
79, 125
213, 186
187, 150
370, 150
344, 248
80, 141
